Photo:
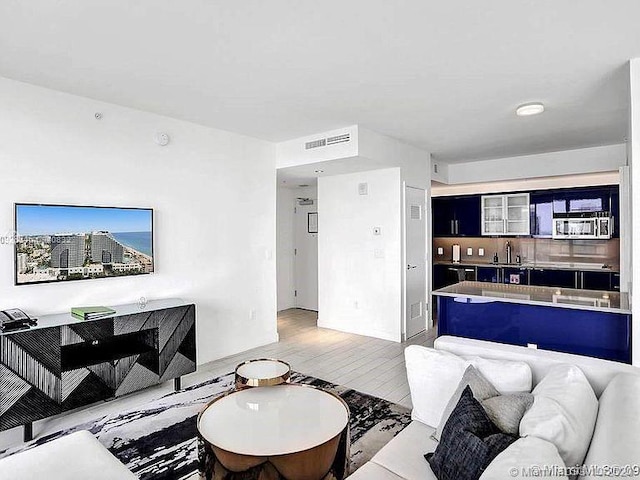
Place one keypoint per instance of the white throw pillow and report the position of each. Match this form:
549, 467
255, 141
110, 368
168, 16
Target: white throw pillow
564, 413
526, 457
434, 376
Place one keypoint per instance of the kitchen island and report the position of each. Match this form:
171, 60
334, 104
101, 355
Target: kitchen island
584, 322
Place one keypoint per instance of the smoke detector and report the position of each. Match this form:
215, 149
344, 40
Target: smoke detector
162, 139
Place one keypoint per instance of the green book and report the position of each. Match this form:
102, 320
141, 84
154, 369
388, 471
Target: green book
91, 312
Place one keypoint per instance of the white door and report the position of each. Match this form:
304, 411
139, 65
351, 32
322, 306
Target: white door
415, 264
306, 256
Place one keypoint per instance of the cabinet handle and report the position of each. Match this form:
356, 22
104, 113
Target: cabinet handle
452, 228
457, 227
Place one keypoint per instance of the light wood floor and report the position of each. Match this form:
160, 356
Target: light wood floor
366, 364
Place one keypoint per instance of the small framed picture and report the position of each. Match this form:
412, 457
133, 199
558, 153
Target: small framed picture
312, 222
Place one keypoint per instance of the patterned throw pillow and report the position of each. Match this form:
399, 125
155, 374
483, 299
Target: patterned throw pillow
469, 442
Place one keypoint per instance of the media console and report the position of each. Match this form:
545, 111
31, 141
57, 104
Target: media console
65, 363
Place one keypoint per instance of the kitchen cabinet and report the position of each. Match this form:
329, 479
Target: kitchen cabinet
515, 275
595, 280
541, 211
445, 275
615, 281
439, 276
489, 274
553, 278
615, 211
456, 216
505, 214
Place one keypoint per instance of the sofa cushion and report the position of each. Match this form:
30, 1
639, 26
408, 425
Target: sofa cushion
434, 377
470, 441
404, 454
564, 412
616, 440
77, 456
373, 471
521, 459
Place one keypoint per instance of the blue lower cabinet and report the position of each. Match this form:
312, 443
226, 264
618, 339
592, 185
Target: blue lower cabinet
615, 282
584, 332
553, 278
596, 280
515, 276
488, 274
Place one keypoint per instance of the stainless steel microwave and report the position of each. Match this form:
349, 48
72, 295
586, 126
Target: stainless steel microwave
594, 225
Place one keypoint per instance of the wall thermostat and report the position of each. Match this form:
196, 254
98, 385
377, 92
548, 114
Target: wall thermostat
162, 139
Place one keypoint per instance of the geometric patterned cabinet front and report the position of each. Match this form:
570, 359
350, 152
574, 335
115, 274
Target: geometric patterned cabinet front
49, 370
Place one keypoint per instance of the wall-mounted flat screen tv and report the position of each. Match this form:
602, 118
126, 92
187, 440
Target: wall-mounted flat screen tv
58, 243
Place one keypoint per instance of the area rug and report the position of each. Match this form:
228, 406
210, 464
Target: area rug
158, 441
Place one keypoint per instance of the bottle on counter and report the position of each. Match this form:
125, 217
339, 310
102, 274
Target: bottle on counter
495, 257
518, 259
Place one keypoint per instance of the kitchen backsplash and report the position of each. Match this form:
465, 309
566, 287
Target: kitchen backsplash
532, 250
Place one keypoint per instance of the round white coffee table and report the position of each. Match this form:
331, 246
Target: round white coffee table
262, 372
287, 431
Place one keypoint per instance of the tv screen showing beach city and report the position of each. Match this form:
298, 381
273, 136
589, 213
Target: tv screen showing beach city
56, 243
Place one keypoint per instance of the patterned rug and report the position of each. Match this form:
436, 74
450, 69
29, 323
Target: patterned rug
158, 441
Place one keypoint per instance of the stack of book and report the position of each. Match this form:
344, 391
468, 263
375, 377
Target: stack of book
91, 313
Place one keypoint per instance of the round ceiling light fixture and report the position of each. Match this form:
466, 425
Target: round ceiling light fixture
528, 109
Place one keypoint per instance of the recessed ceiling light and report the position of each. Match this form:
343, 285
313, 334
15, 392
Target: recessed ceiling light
528, 109
319, 171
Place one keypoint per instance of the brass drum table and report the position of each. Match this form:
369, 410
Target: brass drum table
262, 372
284, 432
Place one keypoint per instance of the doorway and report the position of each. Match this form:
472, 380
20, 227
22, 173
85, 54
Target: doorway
415, 278
305, 258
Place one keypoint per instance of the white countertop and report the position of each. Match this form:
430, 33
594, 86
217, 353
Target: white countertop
266, 421
593, 300
591, 267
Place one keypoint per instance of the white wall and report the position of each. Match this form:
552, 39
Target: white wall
358, 292
567, 162
415, 163
284, 247
214, 195
634, 162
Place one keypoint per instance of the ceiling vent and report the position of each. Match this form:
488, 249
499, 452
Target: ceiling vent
325, 142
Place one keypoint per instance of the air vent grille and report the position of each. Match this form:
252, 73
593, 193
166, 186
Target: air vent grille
344, 138
325, 142
416, 212
416, 310
315, 144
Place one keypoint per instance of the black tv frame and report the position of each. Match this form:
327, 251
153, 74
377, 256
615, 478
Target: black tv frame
15, 242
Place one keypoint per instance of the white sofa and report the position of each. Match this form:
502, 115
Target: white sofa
616, 438
77, 456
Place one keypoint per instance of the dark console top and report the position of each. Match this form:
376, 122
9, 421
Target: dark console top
59, 319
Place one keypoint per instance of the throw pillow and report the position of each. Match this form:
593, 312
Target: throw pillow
470, 441
564, 413
506, 411
434, 376
481, 389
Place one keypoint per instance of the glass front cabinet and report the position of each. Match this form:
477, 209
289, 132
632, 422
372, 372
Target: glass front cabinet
505, 214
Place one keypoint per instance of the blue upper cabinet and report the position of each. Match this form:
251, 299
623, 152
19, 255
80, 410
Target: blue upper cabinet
467, 216
615, 211
541, 210
456, 216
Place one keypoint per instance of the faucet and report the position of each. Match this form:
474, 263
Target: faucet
508, 247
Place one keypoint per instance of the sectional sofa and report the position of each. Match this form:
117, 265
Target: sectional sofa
612, 443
